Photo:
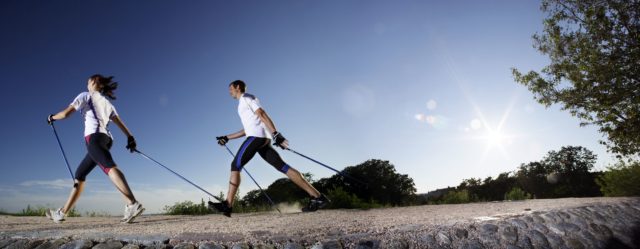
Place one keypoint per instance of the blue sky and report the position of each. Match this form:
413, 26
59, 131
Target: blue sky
418, 83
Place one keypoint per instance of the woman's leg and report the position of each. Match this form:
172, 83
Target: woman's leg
120, 182
73, 196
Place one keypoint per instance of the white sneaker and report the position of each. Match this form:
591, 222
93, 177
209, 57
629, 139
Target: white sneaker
56, 215
131, 212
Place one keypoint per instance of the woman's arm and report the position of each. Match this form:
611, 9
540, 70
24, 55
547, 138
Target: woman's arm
116, 119
62, 114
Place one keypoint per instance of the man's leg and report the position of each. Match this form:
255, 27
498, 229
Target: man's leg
234, 183
272, 157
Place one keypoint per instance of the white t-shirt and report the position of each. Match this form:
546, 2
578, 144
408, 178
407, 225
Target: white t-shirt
247, 107
96, 110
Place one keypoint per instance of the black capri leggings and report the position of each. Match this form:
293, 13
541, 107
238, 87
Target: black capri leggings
262, 146
98, 145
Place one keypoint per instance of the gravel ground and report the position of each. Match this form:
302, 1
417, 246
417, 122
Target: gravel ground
550, 223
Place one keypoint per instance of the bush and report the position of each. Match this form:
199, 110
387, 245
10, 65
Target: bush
40, 210
621, 179
516, 194
456, 197
187, 208
342, 199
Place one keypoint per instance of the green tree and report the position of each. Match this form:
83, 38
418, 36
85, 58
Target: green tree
385, 186
516, 194
594, 71
621, 179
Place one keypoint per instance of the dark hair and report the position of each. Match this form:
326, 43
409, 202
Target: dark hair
239, 83
106, 85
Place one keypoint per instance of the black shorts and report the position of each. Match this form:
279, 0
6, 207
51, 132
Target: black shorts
263, 147
98, 145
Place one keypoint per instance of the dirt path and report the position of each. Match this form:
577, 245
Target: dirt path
349, 227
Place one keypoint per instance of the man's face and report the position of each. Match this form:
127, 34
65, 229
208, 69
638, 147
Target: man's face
234, 91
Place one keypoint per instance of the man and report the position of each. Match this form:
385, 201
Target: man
254, 121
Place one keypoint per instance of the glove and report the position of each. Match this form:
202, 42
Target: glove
222, 140
278, 139
50, 119
131, 144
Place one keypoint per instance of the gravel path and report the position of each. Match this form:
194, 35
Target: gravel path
552, 223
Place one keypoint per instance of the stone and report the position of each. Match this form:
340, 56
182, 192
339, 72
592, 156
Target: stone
131, 246
442, 239
210, 245
241, 245
25, 244
509, 234
184, 245
538, 240
461, 233
52, 244
292, 245
77, 244
110, 244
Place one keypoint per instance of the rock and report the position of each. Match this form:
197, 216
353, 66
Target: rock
77, 244
461, 233
520, 224
396, 244
184, 245
442, 239
489, 228
538, 240
110, 244
52, 244
574, 243
241, 245
131, 246
368, 244
331, 244
291, 245
263, 246
472, 245
24, 244
210, 245
509, 234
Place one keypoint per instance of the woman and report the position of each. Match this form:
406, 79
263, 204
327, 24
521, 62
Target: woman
97, 111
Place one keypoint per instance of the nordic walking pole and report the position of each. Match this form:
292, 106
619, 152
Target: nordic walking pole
64, 155
254, 180
328, 167
185, 179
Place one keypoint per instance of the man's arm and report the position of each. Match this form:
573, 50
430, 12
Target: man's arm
238, 134
266, 120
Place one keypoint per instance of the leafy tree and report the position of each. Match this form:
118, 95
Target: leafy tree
516, 194
595, 67
385, 186
621, 179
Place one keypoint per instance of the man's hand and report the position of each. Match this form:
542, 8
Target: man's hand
222, 140
279, 140
131, 144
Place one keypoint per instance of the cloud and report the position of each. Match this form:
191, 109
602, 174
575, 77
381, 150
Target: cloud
431, 105
49, 184
475, 124
358, 100
99, 196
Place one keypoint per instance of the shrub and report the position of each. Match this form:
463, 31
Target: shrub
516, 194
621, 179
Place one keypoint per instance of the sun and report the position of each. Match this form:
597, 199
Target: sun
495, 138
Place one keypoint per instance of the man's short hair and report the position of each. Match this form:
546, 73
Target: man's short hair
240, 84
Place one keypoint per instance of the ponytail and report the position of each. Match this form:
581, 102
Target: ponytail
106, 85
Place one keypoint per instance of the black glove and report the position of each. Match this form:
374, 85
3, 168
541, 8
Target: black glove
278, 139
50, 119
131, 144
222, 140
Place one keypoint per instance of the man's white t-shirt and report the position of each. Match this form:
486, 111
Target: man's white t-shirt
96, 110
247, 107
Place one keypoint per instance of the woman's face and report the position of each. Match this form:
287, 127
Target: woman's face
91, 85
